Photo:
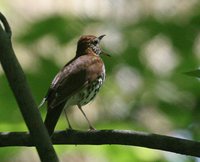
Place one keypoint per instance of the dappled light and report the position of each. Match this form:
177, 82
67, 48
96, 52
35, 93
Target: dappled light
151, 43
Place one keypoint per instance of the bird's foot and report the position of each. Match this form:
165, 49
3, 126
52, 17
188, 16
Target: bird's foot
70, 129
91, 128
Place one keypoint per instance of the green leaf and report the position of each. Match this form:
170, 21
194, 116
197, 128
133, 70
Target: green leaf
193, 73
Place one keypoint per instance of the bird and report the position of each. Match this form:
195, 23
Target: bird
77, 83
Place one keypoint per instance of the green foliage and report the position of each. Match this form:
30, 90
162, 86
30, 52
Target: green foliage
135, 95
63, 29
194, 73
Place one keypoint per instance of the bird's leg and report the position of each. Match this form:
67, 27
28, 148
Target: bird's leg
69, 125
90, 125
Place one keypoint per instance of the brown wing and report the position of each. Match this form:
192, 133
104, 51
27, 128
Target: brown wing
65, 84
72, 78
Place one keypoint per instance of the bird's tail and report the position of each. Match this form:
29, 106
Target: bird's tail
52, 117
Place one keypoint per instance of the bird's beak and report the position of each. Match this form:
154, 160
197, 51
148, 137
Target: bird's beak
100, 37
102, 52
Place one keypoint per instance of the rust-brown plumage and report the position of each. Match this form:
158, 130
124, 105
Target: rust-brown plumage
78, 81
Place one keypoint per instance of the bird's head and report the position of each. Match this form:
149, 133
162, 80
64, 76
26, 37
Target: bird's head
89, 42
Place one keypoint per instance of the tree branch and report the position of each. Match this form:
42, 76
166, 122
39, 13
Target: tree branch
100, 137
19, 86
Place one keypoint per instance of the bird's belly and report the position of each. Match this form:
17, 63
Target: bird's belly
87, 94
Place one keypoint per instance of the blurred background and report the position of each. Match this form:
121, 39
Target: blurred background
152, 44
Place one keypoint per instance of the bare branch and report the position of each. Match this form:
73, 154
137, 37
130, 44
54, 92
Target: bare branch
19, 86
115, 137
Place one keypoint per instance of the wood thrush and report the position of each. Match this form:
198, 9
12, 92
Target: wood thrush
77, 83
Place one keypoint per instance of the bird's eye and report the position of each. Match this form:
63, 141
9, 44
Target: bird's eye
95, 42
